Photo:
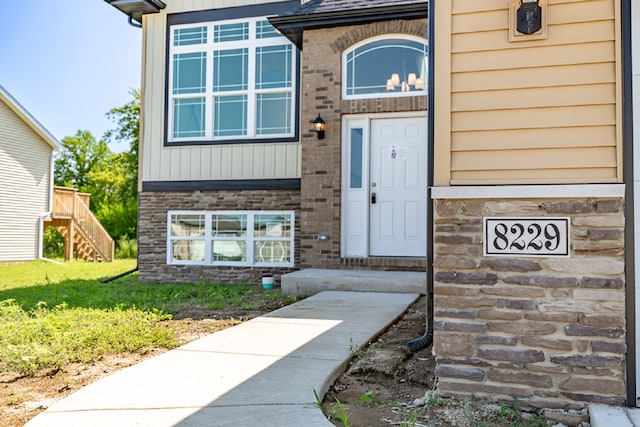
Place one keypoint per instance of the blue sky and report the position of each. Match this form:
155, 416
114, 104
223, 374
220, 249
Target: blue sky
68, 62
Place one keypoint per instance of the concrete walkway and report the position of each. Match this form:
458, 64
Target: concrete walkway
613, 416
260, 373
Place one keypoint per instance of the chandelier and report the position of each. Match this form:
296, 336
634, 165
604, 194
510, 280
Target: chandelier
407, 83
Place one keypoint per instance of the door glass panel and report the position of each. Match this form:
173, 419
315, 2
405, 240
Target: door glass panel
356, 159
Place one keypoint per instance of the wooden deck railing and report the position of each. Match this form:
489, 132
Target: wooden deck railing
72, 205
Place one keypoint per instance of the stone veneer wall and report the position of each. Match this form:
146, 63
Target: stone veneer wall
152, 243
548, 330
321, 159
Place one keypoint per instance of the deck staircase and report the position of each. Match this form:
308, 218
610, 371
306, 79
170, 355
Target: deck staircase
83, 234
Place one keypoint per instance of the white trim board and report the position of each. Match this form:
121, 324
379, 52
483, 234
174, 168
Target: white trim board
528, 191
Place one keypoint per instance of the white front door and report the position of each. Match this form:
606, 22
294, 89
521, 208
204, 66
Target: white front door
397, 187
384, 179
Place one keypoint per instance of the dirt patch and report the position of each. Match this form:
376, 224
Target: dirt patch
387, 385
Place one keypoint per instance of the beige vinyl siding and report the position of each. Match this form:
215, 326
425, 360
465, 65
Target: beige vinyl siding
531, 111
25, 187
198, 162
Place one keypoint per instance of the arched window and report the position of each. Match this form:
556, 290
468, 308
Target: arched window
381, 67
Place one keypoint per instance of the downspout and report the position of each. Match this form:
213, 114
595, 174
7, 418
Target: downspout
144, 56
47, 214
628, 178
427, 339
134, 24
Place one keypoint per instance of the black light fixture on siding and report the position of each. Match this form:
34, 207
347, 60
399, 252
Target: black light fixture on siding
319, 126
529, 16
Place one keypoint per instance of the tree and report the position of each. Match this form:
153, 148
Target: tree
110, 178
127, 119
81, 155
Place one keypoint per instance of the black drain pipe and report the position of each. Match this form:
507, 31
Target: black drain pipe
427, 339
117, 276
629, 201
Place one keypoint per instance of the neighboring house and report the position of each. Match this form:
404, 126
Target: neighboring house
26, 193
522, 144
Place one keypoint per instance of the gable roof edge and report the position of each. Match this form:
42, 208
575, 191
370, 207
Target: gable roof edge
292, 26
26, 117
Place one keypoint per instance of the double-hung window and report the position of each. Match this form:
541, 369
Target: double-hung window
240, 238
230, 81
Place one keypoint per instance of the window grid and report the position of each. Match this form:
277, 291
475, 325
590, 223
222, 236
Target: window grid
254, 45
189, 36
234, 238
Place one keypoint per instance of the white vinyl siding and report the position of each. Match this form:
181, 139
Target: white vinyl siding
265, 160
24, 187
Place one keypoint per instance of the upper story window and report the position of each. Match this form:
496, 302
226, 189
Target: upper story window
230, 81
385, 67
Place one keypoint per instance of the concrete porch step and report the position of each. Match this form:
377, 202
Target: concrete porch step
314, 280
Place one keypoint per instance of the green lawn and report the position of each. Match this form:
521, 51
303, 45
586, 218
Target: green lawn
53, 314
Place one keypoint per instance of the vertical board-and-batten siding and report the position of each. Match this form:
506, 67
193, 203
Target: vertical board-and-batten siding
24, 189
537, 111
198, 162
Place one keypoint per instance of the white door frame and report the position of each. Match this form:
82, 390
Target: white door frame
354, 229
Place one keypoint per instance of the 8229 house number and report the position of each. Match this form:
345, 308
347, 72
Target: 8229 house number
526, 236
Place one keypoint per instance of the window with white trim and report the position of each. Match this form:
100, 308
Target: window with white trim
389, 66
230, 80
241, 238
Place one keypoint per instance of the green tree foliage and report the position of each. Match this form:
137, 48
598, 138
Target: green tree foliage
82, 154
127, 119
111, 178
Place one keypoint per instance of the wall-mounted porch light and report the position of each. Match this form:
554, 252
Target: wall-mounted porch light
319, 126
529, 16
527, 20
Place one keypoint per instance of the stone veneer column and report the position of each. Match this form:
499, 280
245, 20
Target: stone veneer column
548, 330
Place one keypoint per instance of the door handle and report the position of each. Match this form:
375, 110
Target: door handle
373, 198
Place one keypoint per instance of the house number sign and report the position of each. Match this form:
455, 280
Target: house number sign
526, 236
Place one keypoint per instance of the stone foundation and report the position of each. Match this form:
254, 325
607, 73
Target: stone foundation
548, 330
152, 243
